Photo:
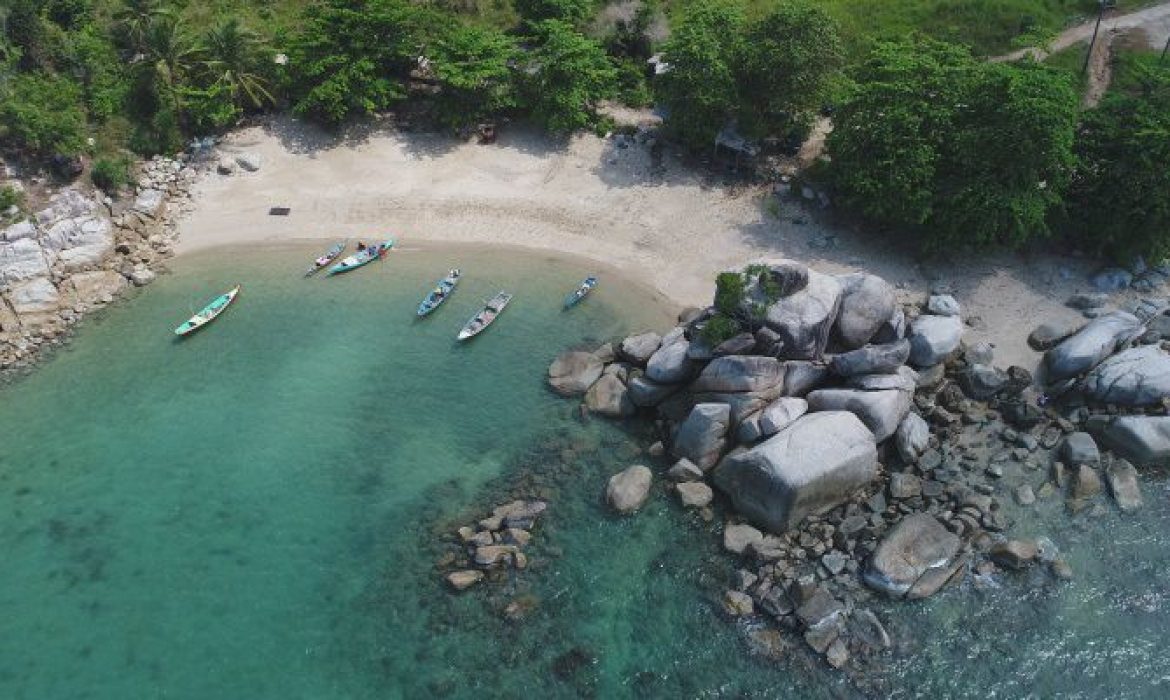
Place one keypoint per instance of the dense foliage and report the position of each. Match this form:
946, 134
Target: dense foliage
566, 75
765, 76
1120, 200
960, 151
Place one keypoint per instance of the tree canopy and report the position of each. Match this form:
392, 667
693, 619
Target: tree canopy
567, 73
956, 150
473, 66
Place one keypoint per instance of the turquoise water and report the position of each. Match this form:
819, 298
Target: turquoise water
257, 512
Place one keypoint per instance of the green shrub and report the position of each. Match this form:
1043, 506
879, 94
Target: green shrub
43, 114
110, 174
571, 11
9, 197
730, 292
567, 74
718, 329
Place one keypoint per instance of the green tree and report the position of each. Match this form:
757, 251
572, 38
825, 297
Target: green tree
785, 65
132, 22
42, 113
171, 54
355, 57
956, 150
1120, 197
236, 57
568, 73
474, 68
571, 11
699, 90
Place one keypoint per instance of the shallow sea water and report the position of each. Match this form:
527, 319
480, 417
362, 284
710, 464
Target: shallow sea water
257, 512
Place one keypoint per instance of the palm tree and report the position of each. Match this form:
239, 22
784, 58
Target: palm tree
234, 54
170, 54
133, 21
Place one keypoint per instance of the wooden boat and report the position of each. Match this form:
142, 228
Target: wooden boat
329, 256
362, 257
209, 312
486, 316
580, 292
440, 293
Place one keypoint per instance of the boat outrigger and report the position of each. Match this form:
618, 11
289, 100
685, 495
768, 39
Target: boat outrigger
486, 316
580, 292
209, 313
440, 293
362, 257
329, 256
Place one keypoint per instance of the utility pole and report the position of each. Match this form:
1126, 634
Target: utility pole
1093, 42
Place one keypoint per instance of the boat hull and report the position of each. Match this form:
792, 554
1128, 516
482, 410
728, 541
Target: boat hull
432, 302
357, 260
208, 313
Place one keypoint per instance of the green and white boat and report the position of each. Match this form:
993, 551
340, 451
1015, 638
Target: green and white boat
440, 293
209, 313
363, 257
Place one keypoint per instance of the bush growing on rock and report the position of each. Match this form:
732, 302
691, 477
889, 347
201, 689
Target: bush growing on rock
110, 174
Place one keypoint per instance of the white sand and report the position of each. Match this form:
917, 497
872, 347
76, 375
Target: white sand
671, 227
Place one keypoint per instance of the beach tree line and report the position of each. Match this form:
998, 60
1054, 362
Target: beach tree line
930, 139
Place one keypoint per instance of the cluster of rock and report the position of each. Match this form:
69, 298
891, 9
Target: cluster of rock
494, 544
862, 447
82, 251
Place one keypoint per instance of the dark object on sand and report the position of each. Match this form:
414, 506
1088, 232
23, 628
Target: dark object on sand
279, 211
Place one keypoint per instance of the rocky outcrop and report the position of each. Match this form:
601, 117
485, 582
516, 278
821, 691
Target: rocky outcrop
638, 349
669, 364
628, 490
703, 435
810, 466
881, 411
804, 319
647, 394
872, 359
740, 373
572, 373
1083, 350
609, 397
914, 559
1143, 440
1135, 377
934, 338
867, 302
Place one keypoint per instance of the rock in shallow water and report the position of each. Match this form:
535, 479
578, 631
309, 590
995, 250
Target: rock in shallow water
609, 397
1143, 440
462, 580
812, 465
914, 559
639, 348
1123, 484
694, 494
628, 490
572, 373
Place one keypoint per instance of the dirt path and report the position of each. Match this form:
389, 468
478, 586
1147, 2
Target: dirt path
1154, 20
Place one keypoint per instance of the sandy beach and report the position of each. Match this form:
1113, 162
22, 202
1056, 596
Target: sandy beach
663, 223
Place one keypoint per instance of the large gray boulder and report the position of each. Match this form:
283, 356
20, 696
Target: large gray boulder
609, 397
804, 319
812, 465
670, 363
639, 348
934, 338
801, 376
646, 393
740, 373
1083, 350
1136, 377
914, 559
703, 435
981, 382
872, 359
1080, 448
881, 411
771, 419
1143, 440
905, 379
867, 301
572, 373
627, 490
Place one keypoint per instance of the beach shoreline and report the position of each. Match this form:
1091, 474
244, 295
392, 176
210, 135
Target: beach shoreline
656, 221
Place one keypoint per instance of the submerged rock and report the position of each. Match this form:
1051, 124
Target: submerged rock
1014, 554
684, 470
462, 580
812, 465
1123, 484
628, 490
914, 559
572, 373
694, 494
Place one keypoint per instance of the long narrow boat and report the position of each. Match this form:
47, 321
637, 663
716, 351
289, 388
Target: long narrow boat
363, 257
580, 292
487, 315
329, 256
209, 313
440, 293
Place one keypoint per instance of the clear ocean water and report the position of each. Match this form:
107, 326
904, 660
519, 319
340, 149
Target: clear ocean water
257, 512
